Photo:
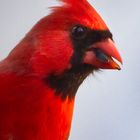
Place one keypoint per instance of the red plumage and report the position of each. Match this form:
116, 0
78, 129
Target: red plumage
39, 78
30, 110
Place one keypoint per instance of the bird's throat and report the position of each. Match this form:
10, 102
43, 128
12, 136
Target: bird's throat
61, 100
67, 83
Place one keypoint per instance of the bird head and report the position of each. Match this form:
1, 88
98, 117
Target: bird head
73, 36
69, 44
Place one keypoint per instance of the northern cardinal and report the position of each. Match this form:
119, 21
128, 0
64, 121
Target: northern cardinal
40, 76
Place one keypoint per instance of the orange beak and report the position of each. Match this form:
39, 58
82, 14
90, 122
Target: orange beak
102, 55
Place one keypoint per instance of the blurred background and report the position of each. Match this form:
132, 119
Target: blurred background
108, 103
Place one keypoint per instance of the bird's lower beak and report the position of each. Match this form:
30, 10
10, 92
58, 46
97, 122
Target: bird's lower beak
102, 55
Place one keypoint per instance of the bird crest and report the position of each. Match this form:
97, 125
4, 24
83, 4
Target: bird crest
80, 11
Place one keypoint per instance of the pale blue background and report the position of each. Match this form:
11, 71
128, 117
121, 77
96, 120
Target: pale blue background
107, 104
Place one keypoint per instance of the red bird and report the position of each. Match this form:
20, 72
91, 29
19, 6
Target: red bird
40, 77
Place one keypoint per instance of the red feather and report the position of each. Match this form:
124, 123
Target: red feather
30, 108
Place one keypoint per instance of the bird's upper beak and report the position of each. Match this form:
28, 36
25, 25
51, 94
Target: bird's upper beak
102, 55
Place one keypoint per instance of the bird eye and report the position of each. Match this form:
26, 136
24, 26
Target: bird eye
79, 32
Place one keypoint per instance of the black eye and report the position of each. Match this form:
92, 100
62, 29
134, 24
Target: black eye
79, 32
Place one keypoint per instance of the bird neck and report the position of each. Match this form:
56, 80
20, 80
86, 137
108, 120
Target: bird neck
39, 114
